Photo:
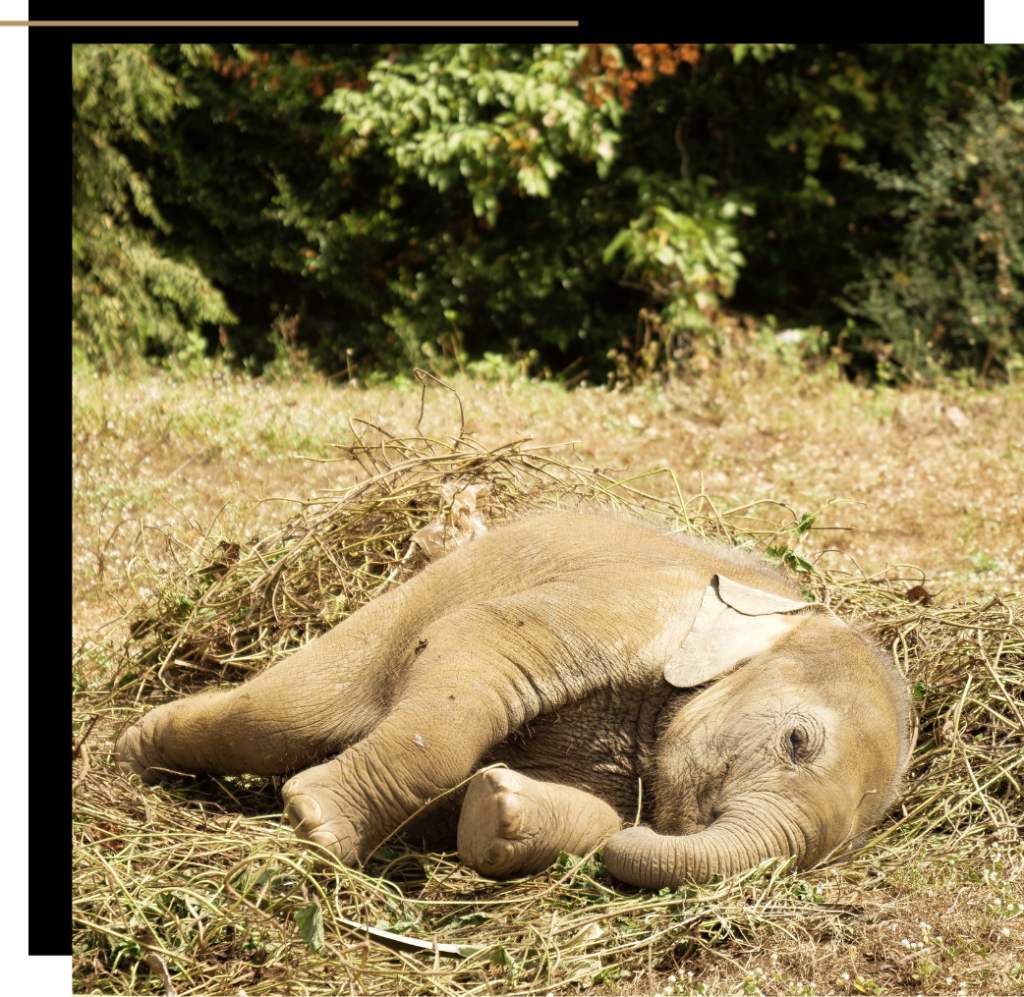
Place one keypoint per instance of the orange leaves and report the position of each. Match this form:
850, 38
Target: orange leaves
663, 59
340, 83
261, 61
604, 77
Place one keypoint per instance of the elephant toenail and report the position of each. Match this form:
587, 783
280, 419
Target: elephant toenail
303, 812
325, 839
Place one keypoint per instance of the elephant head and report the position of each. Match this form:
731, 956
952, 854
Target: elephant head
794, 746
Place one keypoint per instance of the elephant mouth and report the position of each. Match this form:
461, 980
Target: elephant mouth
691, 799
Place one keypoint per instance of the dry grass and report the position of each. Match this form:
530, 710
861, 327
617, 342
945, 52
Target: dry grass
196, 881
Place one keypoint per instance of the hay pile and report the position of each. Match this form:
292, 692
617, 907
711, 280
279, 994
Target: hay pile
195, 885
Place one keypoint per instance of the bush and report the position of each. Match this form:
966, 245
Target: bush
682, 246
952, 299
129, 298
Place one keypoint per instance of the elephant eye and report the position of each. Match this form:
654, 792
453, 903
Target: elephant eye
797, 740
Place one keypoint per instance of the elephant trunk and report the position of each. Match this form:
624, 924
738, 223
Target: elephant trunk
641, 856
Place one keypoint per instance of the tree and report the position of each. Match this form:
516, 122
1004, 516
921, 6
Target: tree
953, 297
128, 298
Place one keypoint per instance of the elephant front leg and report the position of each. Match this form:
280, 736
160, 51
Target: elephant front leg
479, 674
352, 803
512, 825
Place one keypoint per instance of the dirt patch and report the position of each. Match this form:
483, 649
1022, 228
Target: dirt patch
926, 478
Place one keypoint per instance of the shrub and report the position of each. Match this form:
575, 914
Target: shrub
952, 298
128, 297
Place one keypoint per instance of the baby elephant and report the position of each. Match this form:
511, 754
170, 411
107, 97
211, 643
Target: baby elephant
615, 670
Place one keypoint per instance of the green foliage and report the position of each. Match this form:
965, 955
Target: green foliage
789, 558
310, 922
953, 297
432, 204
780, 134
682, 246
483, 119
128, 297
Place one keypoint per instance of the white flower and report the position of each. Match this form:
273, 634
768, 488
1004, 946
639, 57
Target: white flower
846, 976
671, 979
1006, 932
949, 979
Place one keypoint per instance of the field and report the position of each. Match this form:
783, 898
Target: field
193, 884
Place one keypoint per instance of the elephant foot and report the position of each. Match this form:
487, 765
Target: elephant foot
314, 811
130, 753
501, 825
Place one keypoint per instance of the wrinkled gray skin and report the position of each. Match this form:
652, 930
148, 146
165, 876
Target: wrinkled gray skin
591, 655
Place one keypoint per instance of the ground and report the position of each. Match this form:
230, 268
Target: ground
924, 478
932, 479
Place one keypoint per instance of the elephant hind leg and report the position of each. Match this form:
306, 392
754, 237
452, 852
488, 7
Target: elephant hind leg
279, 722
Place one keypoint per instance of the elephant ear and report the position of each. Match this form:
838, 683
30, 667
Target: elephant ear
734, 622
